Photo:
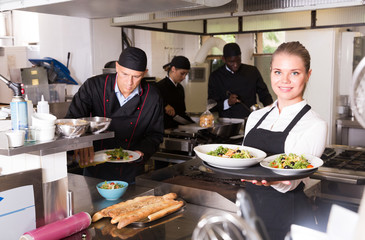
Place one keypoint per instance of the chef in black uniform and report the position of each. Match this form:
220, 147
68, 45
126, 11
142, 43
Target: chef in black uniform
234, 85
288, 126
135, 108
172, 91
173, 95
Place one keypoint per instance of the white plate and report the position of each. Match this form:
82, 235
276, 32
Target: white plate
102, 156
229, 163
315, 161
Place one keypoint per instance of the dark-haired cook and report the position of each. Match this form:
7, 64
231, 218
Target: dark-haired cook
172, 91
288, 126
234, 86
135, 108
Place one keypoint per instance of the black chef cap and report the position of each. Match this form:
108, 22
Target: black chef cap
133, 58
231, 50
180, 62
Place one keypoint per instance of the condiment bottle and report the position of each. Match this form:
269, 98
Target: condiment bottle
42, 106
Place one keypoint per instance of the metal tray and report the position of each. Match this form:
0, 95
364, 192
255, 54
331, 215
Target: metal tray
255, 172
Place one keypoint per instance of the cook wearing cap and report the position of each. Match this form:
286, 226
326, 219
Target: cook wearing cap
135, 108
173, 95
234, 85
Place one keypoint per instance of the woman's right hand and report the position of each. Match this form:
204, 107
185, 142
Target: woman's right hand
85, 156
170, 110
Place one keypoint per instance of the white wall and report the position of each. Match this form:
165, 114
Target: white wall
106, 44
320, 90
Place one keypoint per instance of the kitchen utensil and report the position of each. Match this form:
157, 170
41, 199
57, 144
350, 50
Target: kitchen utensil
98, 124
112, 194
211, 104
246, 210
224, 226
71, 128
357, 93
255, 172
59, 229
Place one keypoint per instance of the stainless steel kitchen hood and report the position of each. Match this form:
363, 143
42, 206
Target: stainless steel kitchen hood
105, 8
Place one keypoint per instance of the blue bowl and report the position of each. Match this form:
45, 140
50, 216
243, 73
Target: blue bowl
112, 194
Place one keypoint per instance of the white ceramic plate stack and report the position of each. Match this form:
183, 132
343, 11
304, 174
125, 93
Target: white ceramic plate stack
314, 161
43, 127
229, 163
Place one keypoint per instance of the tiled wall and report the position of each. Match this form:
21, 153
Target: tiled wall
54, 166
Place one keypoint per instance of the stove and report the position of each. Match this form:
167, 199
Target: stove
343, 173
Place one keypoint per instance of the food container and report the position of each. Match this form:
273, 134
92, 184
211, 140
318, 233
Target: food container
112, 194
15, 138
71, 128
98, 124
43, 120
45, 134
206, 119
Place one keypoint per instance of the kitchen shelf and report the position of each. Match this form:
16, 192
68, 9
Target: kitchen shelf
61, 144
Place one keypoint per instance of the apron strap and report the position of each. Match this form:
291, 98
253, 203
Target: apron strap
106, 80
302, 112
262, 119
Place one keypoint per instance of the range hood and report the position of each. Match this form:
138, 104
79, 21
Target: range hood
105, 8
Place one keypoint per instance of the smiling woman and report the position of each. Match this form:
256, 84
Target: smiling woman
287, 126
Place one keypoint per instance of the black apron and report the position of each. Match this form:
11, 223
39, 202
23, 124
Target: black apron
278, 210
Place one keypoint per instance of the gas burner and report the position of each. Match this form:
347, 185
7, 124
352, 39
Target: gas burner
345, 159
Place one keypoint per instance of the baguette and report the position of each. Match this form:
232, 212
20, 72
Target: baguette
105, 212
142, 213
139, 208
165, 211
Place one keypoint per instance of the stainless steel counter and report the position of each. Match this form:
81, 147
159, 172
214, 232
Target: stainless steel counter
60, 144
179, 225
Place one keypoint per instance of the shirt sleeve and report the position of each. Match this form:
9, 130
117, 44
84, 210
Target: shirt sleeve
226, 105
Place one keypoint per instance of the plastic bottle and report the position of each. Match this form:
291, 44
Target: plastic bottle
29, 109
19, 113
42, 106
59, 229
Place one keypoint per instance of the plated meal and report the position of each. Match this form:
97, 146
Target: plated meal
291, 164
230, 153
144, 208
229, 156
118, 155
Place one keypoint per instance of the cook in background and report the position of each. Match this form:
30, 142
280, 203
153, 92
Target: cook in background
135, 108
173, 95
288, 126
172, 92
234, 85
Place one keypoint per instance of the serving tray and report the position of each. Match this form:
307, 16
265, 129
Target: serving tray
255, 172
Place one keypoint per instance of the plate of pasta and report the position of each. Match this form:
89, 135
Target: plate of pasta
291, 163
229, 156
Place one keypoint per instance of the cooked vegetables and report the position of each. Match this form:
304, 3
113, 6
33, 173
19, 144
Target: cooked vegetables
118, 154
230, 153
290, 161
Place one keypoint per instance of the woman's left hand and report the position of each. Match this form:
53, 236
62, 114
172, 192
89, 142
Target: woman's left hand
265, 183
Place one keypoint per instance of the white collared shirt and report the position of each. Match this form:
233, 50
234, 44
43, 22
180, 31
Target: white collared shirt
172, 81
122, 100
308, 136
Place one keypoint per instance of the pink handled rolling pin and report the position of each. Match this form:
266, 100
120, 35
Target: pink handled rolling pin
59, 229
